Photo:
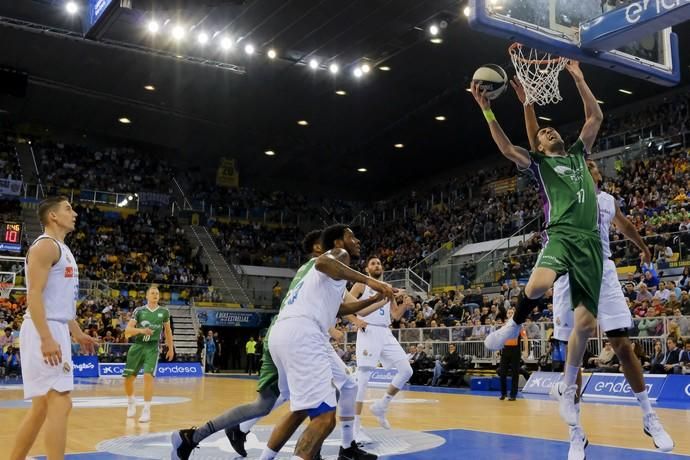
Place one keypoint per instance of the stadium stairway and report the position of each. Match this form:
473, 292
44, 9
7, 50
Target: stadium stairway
223, 277
185, 329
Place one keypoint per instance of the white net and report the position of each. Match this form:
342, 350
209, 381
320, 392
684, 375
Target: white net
7, 280
538, 73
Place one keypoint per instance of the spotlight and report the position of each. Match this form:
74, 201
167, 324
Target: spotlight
313, 64
357, 72
72, 7
440, 118
303, 123
178, 32
362, 170
124, 120
153, 26
202, 38
270, 153
226, 43
341, 92
398, 146
150, 88
334, 68
436, 40
271, 54
366, 68
385, 68
434, 30
466, 11
249, 49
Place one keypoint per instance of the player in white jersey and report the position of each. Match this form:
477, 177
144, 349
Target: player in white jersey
46, 348
614, 319
375, 343
297, 340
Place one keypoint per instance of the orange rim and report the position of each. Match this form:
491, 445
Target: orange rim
512, 50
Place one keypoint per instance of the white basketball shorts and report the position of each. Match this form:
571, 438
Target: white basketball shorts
39, 378
377, 344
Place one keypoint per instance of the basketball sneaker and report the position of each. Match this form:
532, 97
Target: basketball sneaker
578, 443
131, 408
653, 429
237, 439
355, 453
565, 395
183, 444
379, 410
145, 415
496, 340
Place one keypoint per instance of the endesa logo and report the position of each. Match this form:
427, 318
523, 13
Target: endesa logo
179, 369
615, 386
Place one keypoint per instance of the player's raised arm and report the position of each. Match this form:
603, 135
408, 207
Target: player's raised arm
333, 264
629, 231
593, 114
531, 123
516, 154
363, 307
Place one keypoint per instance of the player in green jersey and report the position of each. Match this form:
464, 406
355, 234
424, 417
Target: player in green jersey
571, 238
145, 326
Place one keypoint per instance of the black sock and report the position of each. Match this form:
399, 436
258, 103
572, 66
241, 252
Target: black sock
524, 308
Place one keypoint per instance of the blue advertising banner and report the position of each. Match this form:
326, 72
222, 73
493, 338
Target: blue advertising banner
232, 318
163, 370
676, 388
614, 386
541, 382
382, 377
85, 366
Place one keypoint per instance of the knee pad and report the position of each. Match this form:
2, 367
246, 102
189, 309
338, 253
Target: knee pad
404, 374
346, 403
363, 376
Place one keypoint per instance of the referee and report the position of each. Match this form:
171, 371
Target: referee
510, 356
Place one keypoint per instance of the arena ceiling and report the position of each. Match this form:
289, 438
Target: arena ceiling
253, 105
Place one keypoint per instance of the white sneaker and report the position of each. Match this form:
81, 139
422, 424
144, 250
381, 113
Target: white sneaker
565, 395
578, 443
362, 438
497, 339
131, 409
653, 428
379, 411
145, 416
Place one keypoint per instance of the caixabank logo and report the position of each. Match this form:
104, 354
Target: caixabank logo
676, 388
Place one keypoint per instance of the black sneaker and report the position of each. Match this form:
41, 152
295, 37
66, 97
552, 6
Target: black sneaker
355, 453
183, 444
502, 397
237, 439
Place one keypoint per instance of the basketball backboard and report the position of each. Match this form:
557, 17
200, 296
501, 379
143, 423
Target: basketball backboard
554, 26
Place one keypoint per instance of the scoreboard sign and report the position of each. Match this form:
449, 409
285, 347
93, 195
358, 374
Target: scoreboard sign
100, 15
11, 237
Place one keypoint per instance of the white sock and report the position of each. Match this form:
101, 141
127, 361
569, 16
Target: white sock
358, 422
386, 400
131, 400
294, 457
246, 427
570, 376
269, 454
645, 404
347, 432
147, 405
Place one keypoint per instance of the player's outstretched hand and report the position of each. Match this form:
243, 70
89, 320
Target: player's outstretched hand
519, 90
170, 354
379, 286
574, 68
480, 96
50, 349
88, 344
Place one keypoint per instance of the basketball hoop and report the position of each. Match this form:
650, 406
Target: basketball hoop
538, 73
6, 284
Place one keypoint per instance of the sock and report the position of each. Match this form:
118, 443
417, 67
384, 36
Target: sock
645, 404
269, 454
358, 422
570, 376
131, 400
147, 405
577, 409
294, 457
524, 308
386, 400
347, 432
246, 427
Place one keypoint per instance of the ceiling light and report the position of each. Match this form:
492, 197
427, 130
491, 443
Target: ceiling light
599, 102
625, 91
202, 38
466, 11
334, 68
249, 49
362, 170
366, 68
385, 68
440, 118
436, 40
226, 43
313, 64
271, 54
153, 26
341, 92
433, 29
150, 88
545, 118
399, 146
270, 153
357, 72
469, 90
178, 32
124, 120
72, 7
303, 123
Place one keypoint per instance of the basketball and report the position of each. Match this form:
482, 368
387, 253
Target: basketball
492, 79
